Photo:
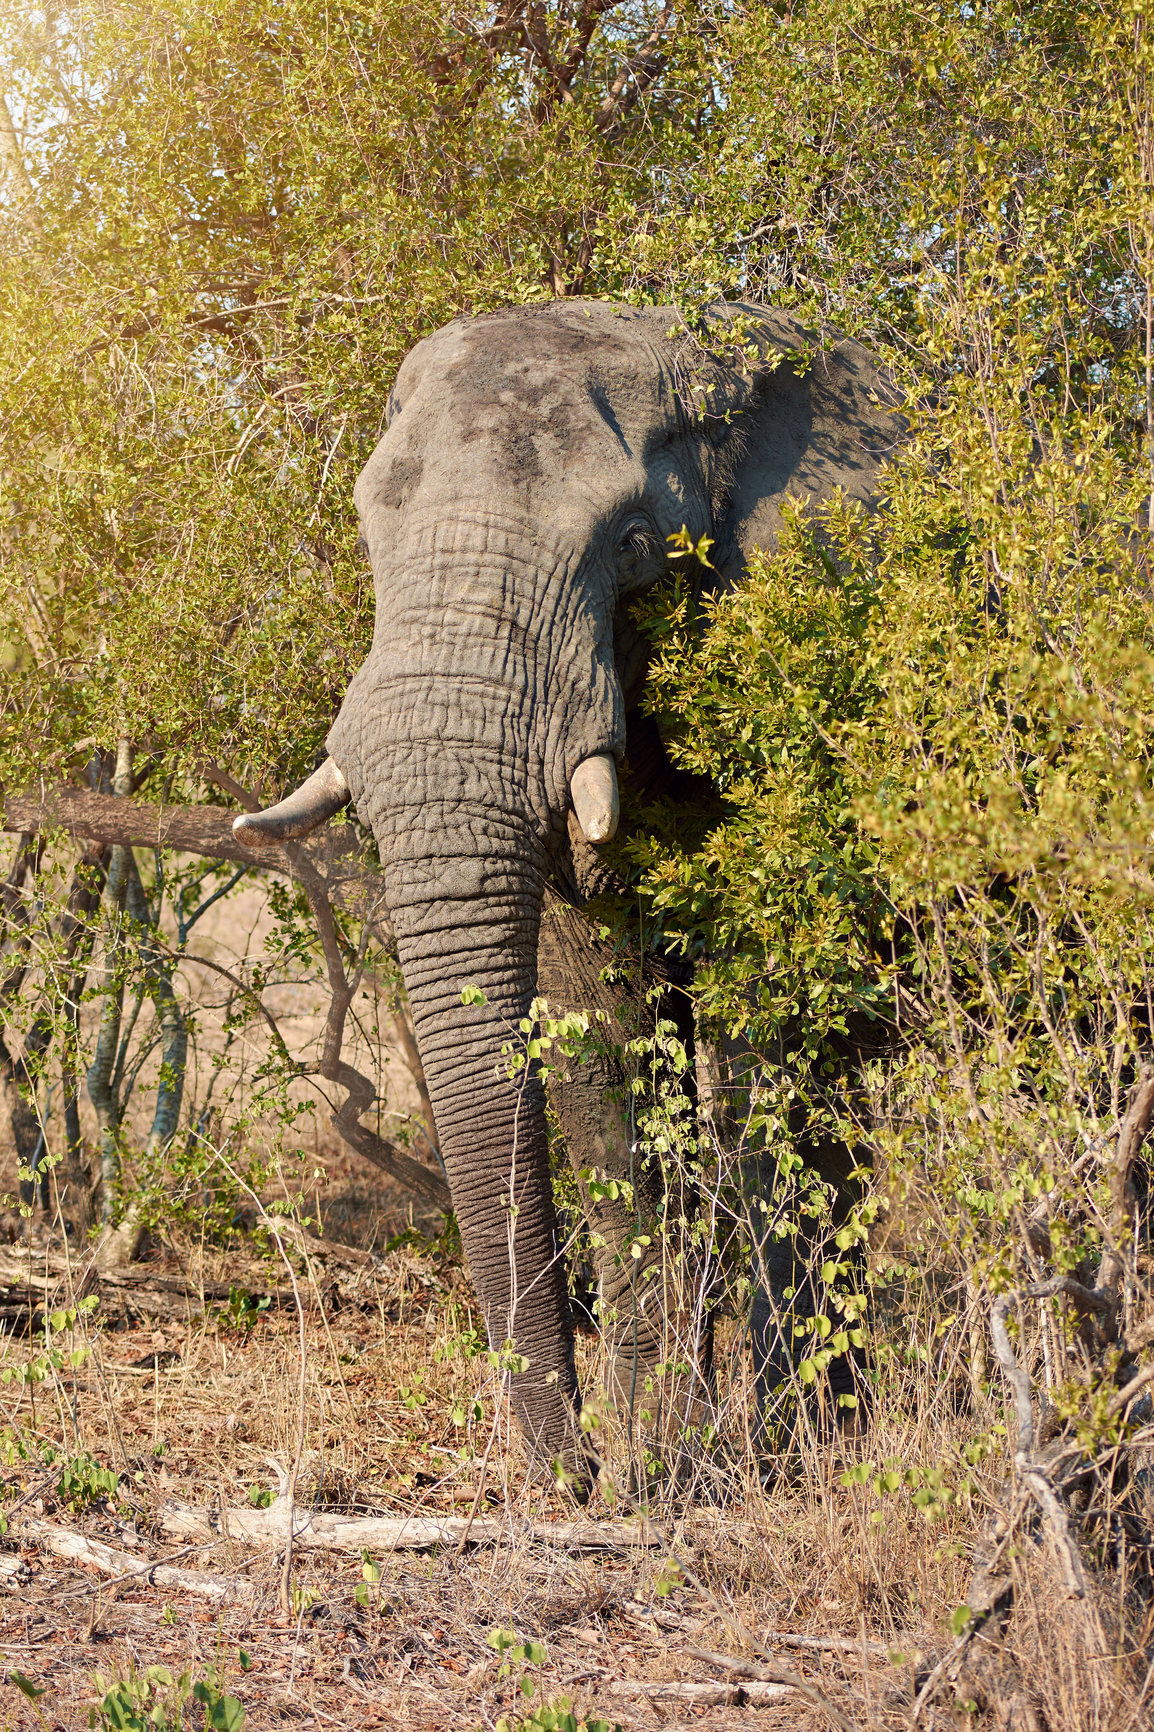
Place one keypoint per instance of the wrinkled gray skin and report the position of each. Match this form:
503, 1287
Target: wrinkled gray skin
535, 464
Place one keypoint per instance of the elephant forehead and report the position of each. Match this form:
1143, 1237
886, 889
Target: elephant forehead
518, 390
574, 339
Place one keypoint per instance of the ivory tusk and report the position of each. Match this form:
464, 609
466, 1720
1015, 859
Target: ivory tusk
324, 793
595, 798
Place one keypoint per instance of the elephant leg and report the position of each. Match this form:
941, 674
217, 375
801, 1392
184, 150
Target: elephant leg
788, 1296
630, 1202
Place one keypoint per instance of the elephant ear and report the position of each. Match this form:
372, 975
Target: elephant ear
810, 417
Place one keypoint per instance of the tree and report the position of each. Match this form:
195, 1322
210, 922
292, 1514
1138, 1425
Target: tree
228, 229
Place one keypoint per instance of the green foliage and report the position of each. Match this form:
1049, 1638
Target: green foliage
243, 1312
83, 1481
368, 1590
669, 1576
926, 908
55, 1358
32, 1692
555, 1717
153, 1700
934, 1489
514, 1652
193, 413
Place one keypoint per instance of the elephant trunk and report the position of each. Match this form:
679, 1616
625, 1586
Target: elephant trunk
487, 708
467, 926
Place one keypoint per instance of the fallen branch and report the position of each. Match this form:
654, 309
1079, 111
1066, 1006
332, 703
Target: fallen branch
767, 1675
752, 1695
828, 1644
313, 1529
739, 1664
79, 1549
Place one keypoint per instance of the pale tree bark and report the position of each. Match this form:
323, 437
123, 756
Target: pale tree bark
13, 159
16, 1067
100, 1072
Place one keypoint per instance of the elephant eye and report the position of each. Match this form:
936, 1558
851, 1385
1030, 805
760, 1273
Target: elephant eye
639, 552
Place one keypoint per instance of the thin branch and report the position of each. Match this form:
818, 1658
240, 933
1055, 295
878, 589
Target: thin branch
635, 76
1014, 1373
250, 993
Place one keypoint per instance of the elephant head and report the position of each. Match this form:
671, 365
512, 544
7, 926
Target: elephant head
536, 464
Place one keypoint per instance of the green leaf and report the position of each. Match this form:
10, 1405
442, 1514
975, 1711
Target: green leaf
26, 1687
960, 1620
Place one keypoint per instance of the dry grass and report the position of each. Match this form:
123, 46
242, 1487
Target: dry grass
187, 1407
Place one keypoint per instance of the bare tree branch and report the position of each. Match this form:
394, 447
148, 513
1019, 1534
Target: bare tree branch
636, 76
336, 856
361, 1092
1131, 1135
13, 158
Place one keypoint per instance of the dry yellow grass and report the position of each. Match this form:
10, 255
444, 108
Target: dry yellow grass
402, 1416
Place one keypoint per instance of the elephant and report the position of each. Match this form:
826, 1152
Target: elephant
540, 466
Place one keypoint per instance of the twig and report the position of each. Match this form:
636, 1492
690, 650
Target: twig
268, 1224
333, 448
43, 1486
480, 1492
270, 1227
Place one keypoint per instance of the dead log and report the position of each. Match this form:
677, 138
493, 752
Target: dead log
323, 1531
77, 1548
834, 1644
